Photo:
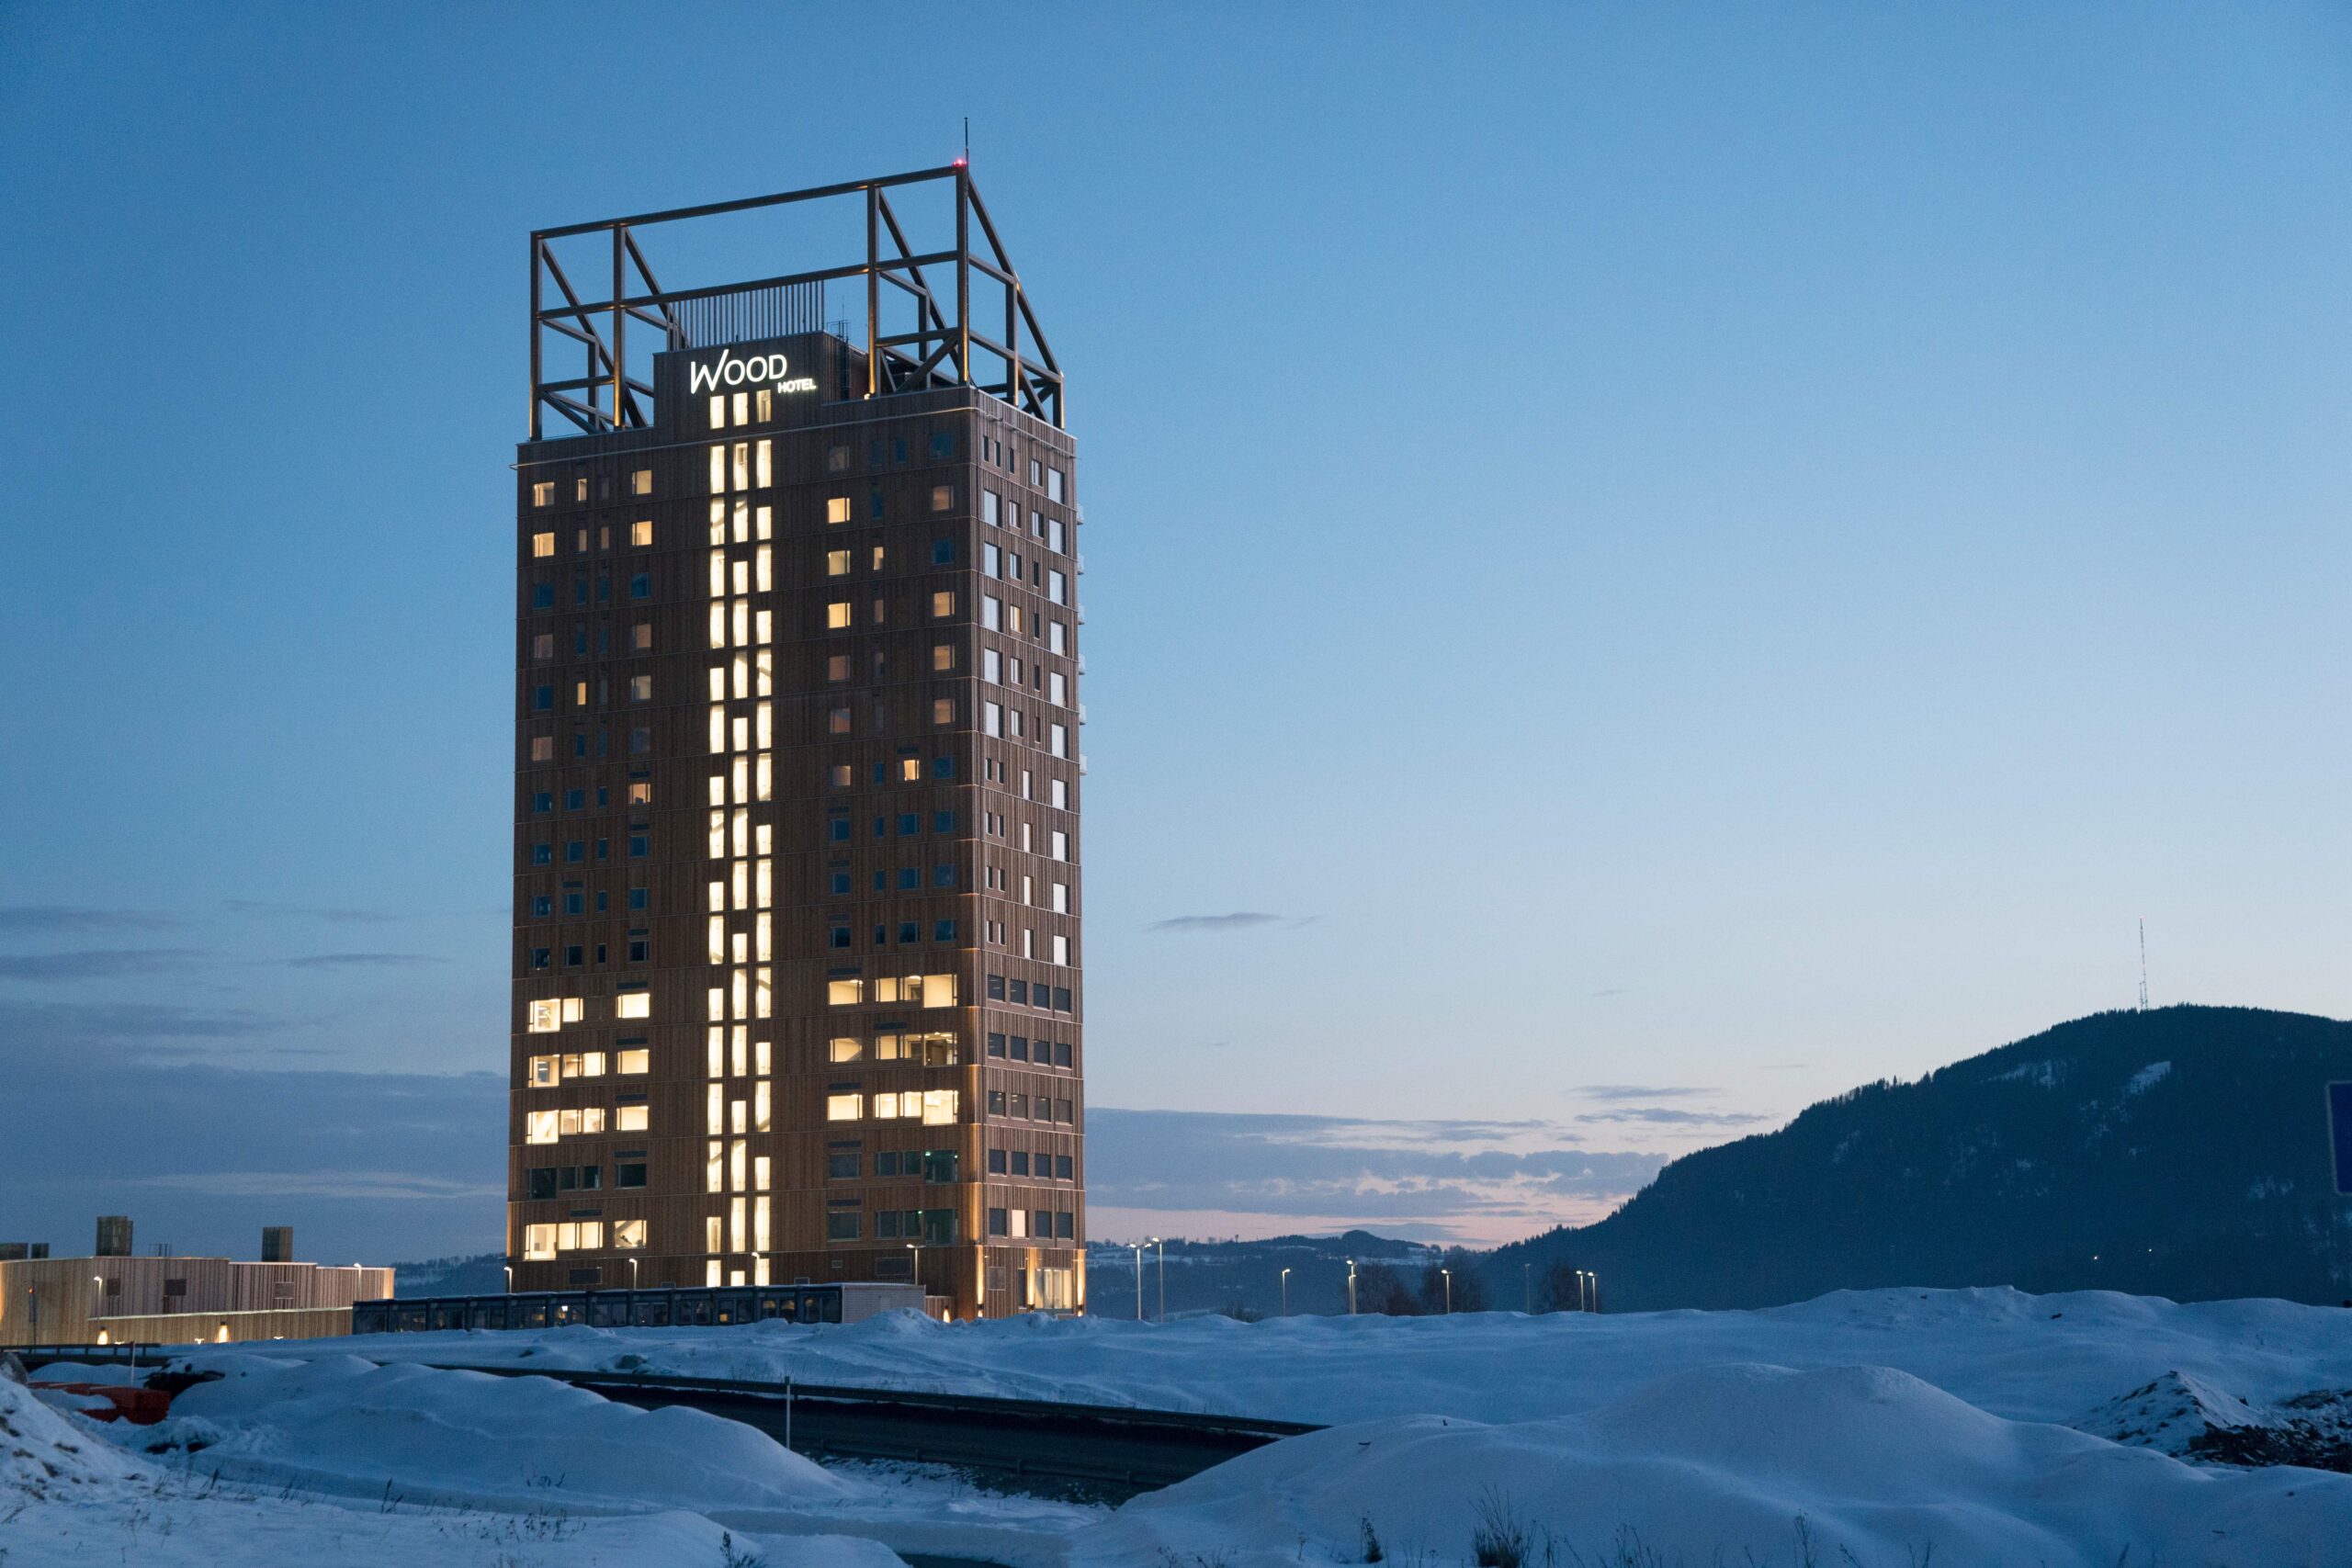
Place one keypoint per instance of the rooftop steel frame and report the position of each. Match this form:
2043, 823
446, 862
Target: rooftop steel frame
939, 352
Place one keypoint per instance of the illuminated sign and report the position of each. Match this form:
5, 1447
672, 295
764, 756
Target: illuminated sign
760, 370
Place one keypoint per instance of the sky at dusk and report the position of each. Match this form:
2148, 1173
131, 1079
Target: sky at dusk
1646, 566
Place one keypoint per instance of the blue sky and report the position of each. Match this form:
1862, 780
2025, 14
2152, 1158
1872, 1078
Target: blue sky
1683, 558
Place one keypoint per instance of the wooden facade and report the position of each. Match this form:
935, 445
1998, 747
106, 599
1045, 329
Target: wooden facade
902, 839
70, 1301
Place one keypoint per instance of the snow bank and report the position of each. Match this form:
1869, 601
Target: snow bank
344, 1425
43, 1455
2025, 1357
1719, 1465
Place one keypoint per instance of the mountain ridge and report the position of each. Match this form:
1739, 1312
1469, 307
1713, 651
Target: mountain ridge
2180, 1152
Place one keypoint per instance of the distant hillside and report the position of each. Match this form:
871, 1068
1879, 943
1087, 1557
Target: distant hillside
2181, 1152
480, 1275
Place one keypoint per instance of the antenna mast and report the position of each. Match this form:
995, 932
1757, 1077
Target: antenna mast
2144, 966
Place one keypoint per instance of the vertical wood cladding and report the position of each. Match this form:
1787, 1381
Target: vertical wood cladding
914, 815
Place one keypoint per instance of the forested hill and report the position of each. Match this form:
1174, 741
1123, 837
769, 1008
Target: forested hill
2180, 1152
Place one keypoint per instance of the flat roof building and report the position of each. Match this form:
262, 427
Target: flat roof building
112, 1297
797, 947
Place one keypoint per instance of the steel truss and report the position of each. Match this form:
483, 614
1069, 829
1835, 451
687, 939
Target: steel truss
939, 352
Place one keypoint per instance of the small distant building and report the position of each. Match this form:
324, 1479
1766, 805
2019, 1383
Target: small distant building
113, 1297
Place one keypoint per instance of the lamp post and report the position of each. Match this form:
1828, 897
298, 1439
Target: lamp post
1163, 1277
1285, 1293
510, 1279
632, 1273
1527, 1286
1448, 1273
1139, 1246
914, 1265
1596, 1292
98, 1298
1352, 1286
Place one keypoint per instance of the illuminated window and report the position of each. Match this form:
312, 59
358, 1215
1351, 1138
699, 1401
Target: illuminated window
543, 748
628, 1236
992, 611
637, 1061
540, 1126
837, 509
837, 563
718, 469
539, 1242
844, 993
542, 545
545, 1017
1055, 636
631, 1118
842, 1106
641, 482
640, 534
640, 688
943, 498
837, 614
766, 463
634, 1004
942, 604
942, 710
543, 493
719, 411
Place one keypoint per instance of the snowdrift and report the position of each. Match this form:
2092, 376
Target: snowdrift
1734, 1465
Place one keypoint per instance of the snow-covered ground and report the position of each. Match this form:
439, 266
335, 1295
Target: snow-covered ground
1882, 1425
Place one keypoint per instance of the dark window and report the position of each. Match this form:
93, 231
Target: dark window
591, 1178
1062, 1168
641, 585
939, 1165
575, 850
641, 899
542, 698
640, 950
175, 1287
909, 877
995, 1162
996, 1044
943, 767
943, 821
943, 930
909, 822
542, 1183
1018, 991
575, 903
942, 876
543, 801
840, 937
842, 1226
897, 449
996, 987
574, 799
887, 1163
874, 503
942, 443
1020, 1163
841, 882
640, 741
909, 931
1065, 1227
886, 1225
639, 845
841, 1167
542, 855
1061, 1052
996, 1102
838, 829
1019, 1046
938, 1227
543, 596
542, 906
943, 552
572, 957
629, 1175
541, 957
997, 1223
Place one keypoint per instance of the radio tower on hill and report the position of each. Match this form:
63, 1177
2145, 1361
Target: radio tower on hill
2144, 966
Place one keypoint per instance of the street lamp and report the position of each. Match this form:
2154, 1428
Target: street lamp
1352, 1286
98, 1297
1163, 1277
1139, 1246
914, 1265
632, 1273
1285, 1293
1596, 1292
1527, 1286
510, 1279
1448, 1273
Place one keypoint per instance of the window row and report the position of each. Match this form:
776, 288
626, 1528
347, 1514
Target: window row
638, 689
554, 1180
640, 536
838, 825
575, 850
1019, 1162
576, 898
640, 586
640, 482
932, 1107
547, 1016
640, 641
1001, 722
1043, 1225
1023, 1107
542, 1241
547, 1126
546, 1072
996, 615
600, 799
934, 1227
575, 954
640, 744
838, 935
913, 990
1018, 1048
1020, 993
844, 1162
